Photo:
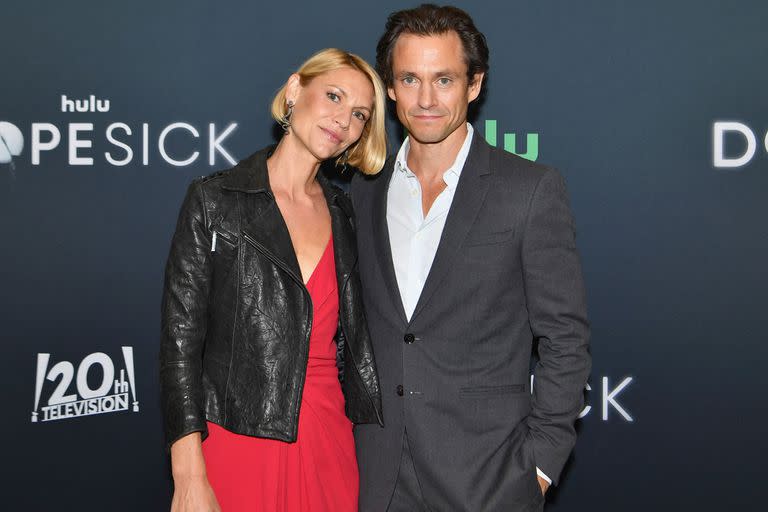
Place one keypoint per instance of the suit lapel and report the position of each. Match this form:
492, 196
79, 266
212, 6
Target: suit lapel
381, 236
469, 197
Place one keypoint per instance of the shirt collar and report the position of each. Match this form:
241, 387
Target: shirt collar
452, 174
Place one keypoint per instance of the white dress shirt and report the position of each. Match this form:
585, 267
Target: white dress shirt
414, 237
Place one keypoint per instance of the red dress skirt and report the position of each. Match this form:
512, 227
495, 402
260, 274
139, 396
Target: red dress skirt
318, 472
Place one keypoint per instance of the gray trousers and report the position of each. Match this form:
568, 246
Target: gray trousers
408, 497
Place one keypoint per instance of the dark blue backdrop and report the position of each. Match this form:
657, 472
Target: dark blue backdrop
620, 96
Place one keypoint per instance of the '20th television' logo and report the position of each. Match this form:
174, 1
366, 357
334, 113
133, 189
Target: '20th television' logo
110, 395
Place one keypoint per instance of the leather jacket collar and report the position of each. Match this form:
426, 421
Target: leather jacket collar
250, 175
264, 227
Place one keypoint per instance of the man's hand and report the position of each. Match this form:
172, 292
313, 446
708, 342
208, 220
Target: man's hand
543, 484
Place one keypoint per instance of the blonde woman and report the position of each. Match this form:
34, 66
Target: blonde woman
265, 359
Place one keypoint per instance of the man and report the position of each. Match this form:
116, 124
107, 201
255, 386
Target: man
467, 257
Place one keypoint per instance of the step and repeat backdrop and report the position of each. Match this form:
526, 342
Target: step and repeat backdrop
655, 112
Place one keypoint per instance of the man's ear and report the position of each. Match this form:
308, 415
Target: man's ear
293, 88
391, 93
473, 91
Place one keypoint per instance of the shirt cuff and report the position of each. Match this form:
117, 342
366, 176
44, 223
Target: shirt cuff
542, 475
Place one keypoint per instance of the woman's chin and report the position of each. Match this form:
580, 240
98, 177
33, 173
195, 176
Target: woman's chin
323, 154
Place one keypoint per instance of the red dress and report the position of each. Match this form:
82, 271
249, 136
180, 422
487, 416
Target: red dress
318, 472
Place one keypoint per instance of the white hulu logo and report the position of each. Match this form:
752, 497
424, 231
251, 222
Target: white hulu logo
112, 395
90, 104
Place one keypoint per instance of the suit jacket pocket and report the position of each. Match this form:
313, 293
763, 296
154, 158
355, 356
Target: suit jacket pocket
491, 390
488, 238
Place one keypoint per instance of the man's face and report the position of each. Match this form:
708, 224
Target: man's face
430, 85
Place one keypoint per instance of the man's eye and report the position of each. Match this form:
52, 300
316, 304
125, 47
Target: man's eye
332, 96
409, 80
444, 81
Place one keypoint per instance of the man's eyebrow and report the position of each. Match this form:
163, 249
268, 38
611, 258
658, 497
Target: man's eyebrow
448, 72
443, 72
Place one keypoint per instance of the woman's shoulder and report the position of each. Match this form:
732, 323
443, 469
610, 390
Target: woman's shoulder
249, 174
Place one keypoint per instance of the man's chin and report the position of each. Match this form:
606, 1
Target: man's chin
427, 136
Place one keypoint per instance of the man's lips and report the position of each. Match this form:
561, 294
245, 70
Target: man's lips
427, 117
332, 135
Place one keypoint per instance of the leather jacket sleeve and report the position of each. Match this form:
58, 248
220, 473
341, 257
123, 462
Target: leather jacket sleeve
184, 320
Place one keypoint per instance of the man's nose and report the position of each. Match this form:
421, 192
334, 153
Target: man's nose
426, 96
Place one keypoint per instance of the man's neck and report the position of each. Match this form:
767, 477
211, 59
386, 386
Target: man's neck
429, 161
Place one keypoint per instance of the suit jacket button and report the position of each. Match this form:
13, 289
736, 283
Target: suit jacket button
399, 390
409, 338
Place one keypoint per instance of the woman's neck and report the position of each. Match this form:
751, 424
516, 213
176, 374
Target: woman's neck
292, 169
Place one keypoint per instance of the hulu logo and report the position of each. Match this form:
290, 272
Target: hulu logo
510, 145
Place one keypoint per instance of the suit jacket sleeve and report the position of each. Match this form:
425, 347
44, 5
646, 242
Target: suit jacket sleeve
557, 313
184, 320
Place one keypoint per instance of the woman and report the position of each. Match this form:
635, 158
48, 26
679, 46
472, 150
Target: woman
264, 342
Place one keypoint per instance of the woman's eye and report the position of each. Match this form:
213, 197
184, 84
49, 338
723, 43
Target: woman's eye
360, 116
332, 96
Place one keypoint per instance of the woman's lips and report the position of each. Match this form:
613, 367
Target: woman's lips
332, 135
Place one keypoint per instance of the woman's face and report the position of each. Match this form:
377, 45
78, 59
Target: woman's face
330, 112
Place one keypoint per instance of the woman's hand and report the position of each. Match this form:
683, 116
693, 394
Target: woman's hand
191, 490
193, 494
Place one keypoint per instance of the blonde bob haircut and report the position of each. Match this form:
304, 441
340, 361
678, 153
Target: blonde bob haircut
370, 151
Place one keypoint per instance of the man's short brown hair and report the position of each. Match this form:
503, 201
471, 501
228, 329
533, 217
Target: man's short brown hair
429, 20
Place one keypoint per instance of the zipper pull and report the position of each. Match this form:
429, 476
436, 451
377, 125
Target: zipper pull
213, 242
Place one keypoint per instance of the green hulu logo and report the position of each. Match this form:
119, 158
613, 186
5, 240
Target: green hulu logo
510, 141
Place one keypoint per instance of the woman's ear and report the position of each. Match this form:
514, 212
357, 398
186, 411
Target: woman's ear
293, 88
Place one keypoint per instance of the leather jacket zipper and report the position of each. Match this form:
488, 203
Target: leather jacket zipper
274, 260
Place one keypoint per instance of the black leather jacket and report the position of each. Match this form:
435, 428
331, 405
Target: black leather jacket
236, 316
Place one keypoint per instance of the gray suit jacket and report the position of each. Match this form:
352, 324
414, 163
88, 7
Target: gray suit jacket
506, 273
